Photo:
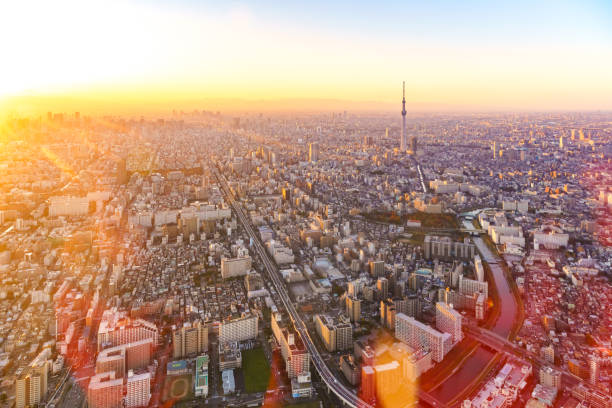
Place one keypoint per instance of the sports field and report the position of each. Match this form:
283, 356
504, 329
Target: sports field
256, 370
178, 388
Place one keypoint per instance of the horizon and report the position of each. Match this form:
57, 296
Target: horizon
154, 57
33, 106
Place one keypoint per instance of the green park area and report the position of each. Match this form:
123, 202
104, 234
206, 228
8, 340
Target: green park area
434, 220
427, 220
256, 370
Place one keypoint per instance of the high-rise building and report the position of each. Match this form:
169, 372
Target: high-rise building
550, 377
354, 287
403, 145
448, 320
121, 173
478, 268
138, 390
138, 354
471, 286
336, 334
420, 336
231, 268
188, 224
105, 391
368, 384
409, 305
22, 391
366, 354
494, 150
594, 367
286, 192
435, 247
353, 308
238, 329
350, 369
111, 359
377, 268
31, 382
413, 144
129, 356
382, 286
297, 358
31, 385
548, 353
313, 152
388, 379
68, 205
116, 329
387, 313
480, 307
190, 339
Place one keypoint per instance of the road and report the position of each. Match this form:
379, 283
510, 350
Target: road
53, 400
342, 392
421, 176
502, 345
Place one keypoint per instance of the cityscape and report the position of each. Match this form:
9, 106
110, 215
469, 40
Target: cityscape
287, 248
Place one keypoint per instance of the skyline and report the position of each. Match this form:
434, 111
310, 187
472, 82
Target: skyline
306, 204
152, 57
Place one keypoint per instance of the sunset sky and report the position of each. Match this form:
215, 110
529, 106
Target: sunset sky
100, 56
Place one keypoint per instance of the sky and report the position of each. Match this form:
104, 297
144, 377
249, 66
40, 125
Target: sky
136, 55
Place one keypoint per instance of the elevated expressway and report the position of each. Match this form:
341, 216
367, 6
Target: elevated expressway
342, 392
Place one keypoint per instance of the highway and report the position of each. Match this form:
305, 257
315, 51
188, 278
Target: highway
51, 402
501, 344
342, 392
421, 176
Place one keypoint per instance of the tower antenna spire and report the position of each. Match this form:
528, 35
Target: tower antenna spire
403, 144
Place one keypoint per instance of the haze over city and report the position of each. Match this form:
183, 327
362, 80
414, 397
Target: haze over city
107, 56
391, 204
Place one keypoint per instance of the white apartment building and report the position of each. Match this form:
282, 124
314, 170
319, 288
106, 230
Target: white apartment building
420, 336
240, 329
281, 254
231, 268
448, 320
549, 240
105, 391
68, 205
138, 390
116, 329
297, 358
471, 286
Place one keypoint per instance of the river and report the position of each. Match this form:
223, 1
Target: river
476, 363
